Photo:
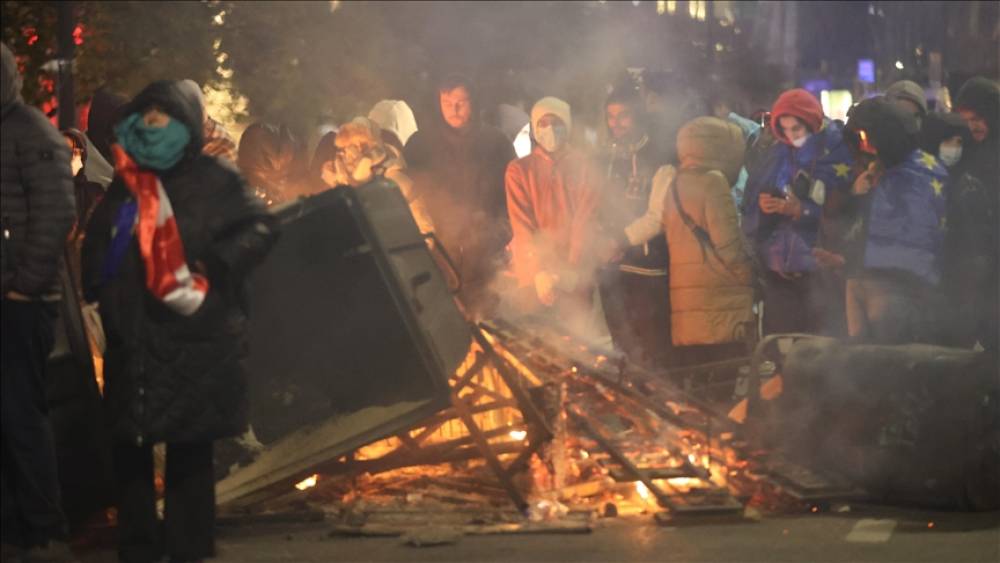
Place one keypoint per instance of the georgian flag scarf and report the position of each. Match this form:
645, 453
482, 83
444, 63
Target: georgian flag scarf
167, 275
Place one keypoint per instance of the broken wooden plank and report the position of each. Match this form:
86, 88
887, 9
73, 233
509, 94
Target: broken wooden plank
294, 457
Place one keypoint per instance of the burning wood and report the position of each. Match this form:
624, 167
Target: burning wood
554, 422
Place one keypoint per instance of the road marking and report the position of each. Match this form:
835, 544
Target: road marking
870, 530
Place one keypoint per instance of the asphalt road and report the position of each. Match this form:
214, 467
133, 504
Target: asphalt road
861, 535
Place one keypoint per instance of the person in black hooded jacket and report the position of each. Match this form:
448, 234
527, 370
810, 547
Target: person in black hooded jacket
176, 335
457, 165
972, 277
105, 108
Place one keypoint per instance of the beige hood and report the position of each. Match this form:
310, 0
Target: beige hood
710, 143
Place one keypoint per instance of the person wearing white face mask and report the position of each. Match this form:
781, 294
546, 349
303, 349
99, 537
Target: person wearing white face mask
551, 199
944, 135
790, 189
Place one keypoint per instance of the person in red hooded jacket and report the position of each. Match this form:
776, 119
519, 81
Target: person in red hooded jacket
782, 208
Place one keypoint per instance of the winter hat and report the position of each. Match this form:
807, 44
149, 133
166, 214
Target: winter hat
936, 127
797, 103
910, 91
395, 116
982, 96
890, 129
552, 105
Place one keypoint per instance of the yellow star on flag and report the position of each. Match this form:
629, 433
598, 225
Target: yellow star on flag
937, 185
928, 160
841, 169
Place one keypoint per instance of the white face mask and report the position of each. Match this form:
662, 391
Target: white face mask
551, 138
949, 155
800, 142
76, 164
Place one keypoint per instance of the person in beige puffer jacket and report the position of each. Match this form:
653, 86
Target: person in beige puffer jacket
711, 292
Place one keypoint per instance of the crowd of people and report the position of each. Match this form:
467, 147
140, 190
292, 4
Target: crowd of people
692, 232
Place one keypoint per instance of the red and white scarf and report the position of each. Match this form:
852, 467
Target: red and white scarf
167, 274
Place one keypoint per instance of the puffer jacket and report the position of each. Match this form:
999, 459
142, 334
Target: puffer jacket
710, 291
36, 193
170, 377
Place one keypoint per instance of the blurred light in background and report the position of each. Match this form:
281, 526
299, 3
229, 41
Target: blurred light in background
836, 103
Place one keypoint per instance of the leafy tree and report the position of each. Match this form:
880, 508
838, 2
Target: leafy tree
125, 45
297, 61
29, 29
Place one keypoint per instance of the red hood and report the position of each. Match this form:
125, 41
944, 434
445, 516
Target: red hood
801, 104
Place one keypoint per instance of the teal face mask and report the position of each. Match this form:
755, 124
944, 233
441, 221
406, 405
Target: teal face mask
159, 148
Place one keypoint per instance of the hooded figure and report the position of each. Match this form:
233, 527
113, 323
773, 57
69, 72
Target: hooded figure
711, 292
105, 109
272, 160
944, 135
459, 173
978, 102
782, 207
973, 248
167, 254
899, 241
552, 198
361, 156
36, 213
85, 159
395, 117
216, 140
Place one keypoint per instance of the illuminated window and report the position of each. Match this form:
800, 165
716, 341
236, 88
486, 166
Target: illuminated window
696, 9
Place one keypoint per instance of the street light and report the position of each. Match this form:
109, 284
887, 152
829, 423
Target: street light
899, 65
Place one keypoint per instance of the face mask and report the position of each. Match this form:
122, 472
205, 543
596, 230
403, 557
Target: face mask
800, 142
551, 138
159, 148
76, 164
950, 155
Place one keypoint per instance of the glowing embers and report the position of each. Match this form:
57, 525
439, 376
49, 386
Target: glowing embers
307, 483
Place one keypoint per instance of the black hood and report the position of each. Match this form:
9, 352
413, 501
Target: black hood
105, 108
10, 81
937, 127
176, 101
982, 96
891, 130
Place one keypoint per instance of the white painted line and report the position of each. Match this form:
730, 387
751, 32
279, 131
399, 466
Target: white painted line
870, 530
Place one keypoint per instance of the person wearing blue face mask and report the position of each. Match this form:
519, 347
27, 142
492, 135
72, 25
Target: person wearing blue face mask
166, 256
551, 200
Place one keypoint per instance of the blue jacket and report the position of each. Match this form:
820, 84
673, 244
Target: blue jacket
785, 244
750, 129
906, 219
